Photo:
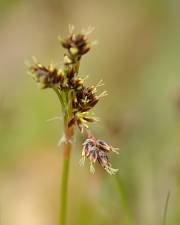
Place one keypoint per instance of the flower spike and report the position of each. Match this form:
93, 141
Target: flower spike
76, 98
97, 150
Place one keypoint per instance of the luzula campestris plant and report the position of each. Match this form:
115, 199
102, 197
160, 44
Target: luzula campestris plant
76, 100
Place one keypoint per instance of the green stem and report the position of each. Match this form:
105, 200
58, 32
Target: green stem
59, 96
123, 201
68, 132
166, 208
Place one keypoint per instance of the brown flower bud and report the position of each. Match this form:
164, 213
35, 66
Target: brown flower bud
85, 49
104, 146
93, 103
66, 43
89, 119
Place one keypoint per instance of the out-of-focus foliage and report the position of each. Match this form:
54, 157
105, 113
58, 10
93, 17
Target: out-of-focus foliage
138, 59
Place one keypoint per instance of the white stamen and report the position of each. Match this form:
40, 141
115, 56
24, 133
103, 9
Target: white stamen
103, 94
92, 169
115, 150
100, 83
34, 59
90, 29
111, 170
82, 161
71, 28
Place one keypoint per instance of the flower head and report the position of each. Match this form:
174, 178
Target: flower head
97, 150
77, 99
47, 76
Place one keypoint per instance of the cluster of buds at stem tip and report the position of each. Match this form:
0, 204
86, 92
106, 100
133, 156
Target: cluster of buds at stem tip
76, 98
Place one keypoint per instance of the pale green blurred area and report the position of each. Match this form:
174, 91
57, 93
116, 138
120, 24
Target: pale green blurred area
138, 57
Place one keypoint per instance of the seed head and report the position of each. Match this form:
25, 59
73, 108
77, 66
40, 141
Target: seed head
47, 76
76, 44
97, 150
77, 99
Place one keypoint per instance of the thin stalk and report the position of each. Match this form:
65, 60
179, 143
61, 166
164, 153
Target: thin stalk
123, 201
59, 96
166, 208
68, 132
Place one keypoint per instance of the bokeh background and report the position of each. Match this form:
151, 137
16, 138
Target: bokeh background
138, 58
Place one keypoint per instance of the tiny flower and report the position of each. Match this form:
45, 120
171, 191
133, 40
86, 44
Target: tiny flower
76, 44
47, 76
81, 119
97, 150
106, 147
93, 154
104, 162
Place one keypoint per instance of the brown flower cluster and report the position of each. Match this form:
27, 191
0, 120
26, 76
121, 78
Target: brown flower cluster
76, 98
97, 150
77, 45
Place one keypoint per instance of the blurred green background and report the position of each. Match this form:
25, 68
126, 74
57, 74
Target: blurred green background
138, 58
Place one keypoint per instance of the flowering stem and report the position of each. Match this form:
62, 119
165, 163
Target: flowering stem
76, 100
68, 132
